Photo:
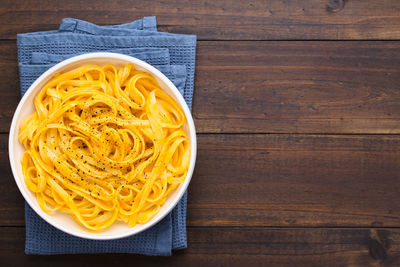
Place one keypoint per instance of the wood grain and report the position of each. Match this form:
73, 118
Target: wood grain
278, 180
277, 87
298, 87
298, 141
9, 84
238, 247
296, 180
219, 20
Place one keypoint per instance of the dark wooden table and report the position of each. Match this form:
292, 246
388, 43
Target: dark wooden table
297, 108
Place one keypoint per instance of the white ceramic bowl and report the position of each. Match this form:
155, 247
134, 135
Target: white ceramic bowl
63, 221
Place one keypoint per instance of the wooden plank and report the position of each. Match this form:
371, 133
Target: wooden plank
298, 87
9, 84
278, 87
238, 247
278, 180
219, 20
296, 180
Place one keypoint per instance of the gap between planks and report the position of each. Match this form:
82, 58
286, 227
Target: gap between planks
268, 227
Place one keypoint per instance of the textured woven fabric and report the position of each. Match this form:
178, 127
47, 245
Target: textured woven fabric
172, 54
182, 48
146, 23
151, 56
44, 239
80, 26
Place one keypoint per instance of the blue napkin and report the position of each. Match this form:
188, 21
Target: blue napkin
172, 54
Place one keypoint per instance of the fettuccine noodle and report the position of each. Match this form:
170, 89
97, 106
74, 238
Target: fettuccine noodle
104, 144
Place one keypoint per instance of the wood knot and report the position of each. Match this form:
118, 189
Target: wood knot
335, 6
378, 244
376, 250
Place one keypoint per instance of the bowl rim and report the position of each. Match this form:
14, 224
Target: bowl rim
14, 129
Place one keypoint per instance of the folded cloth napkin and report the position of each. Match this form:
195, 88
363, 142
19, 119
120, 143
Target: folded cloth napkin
172, 54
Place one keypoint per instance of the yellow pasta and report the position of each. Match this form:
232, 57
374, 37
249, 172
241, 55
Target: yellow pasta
104, 144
